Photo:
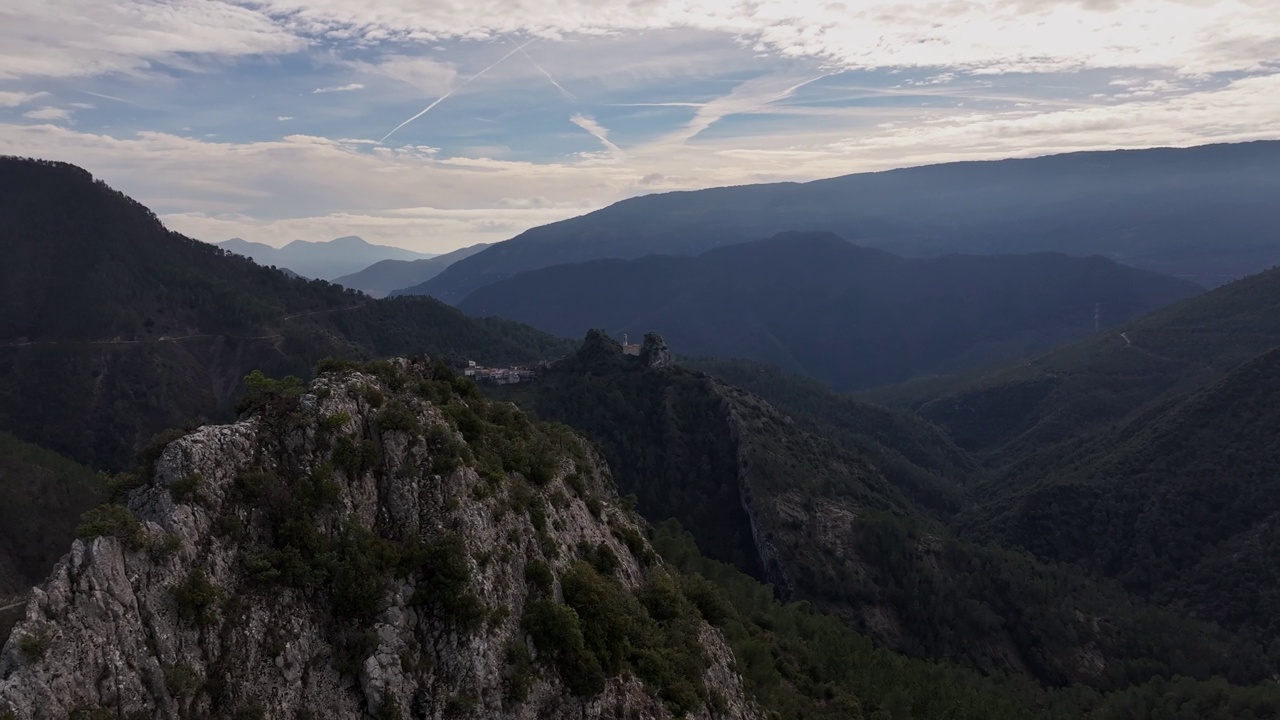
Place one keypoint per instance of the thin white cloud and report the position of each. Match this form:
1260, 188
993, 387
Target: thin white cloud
314, 187
14, 99
110, 97
349, 87
985, 35
48, 113
69, 38
600, 132
424, 75
284, 118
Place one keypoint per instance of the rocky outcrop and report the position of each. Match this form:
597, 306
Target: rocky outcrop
382, 543
654, 352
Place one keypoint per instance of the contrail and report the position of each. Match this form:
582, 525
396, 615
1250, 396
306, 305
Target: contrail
441, 99
111, 97
544, 72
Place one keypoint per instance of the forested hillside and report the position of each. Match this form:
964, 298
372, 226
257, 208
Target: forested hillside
814, 514
113, 328
850, 316
1181, 503
1010, 413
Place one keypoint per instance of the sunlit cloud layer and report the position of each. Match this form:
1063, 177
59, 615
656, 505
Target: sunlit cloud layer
437, 124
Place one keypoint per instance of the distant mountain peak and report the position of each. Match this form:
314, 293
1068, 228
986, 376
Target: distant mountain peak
326, 259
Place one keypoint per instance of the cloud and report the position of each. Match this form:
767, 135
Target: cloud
14, 99
48, 113
424, 75
284, 118
84, 38
599, 131
1192, 36
316, 187
349, 87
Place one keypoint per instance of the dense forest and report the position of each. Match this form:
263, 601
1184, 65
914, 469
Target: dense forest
795, 504
1017, 410
851, 316
113, 328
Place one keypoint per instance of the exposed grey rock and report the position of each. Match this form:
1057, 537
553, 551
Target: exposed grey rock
107, 630
654, 351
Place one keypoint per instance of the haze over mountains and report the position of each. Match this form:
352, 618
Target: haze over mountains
324, 260
385, 276
814, 304
1206, 214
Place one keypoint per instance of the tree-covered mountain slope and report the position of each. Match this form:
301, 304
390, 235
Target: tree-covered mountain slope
1206, 213
850, 316
1013, 412
1181, 503
815, 516
41, 498
113, 328
804, 665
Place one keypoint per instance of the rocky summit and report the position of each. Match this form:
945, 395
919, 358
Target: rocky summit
383, 542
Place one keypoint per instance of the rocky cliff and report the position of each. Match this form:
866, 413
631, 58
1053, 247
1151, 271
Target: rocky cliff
381, 543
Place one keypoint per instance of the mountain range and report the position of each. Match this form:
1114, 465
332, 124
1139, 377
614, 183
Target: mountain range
854, 317
321, 260
399, 277
1206, 214
1088, 532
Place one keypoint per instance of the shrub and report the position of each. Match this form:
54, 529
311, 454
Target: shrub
197, 597
116, 521
708, 600
601, 557
361, 565
396, 417
353, 647
354, 459
557, 635
539, 576
372, 395
334, 365
631, 537
151, 452
446, 577
186, 489
181, 680
230, 526
254, 485
517, 678
333, 423
264, 392
33, 644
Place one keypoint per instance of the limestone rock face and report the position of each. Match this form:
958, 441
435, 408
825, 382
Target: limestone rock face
654, 352
367, 546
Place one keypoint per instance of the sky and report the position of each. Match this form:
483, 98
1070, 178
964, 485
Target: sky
435, 124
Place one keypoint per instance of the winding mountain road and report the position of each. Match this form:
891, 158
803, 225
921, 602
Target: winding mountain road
175, 338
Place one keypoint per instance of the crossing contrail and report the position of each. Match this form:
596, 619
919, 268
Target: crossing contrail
442, 98
544, 72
